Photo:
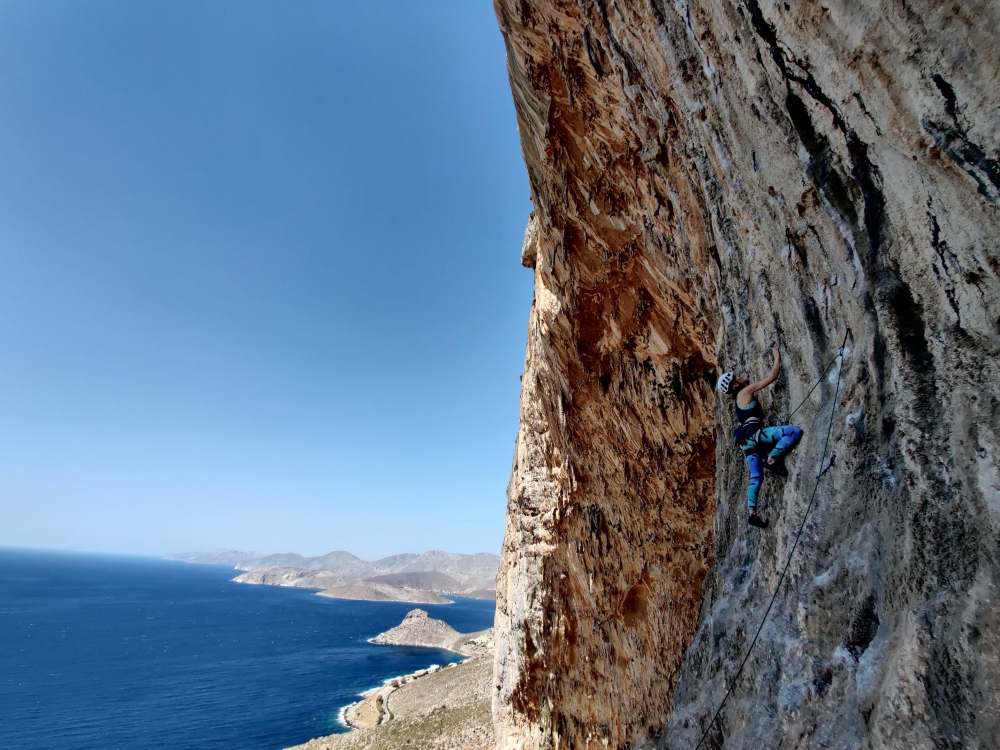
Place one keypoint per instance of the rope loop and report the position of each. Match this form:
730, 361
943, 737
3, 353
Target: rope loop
833, 457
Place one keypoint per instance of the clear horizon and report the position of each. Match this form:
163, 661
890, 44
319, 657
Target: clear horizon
61, 550
259, 277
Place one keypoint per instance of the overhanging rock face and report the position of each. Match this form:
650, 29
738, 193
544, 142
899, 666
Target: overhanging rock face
711, 179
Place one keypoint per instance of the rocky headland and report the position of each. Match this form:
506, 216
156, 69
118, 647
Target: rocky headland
420, 629
380, 592
305, 579
419, 579
481, 564
712, 178
443, 707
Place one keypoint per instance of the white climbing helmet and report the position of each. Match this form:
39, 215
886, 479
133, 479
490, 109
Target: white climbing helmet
725, 380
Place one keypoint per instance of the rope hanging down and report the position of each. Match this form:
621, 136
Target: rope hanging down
820, 380
812, 497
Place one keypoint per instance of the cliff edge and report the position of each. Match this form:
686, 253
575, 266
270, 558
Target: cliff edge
710, 179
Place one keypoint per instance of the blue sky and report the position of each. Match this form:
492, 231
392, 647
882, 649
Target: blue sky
259, 278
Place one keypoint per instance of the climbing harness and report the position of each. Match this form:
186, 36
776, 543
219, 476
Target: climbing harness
751, 420
802, 525
743, 430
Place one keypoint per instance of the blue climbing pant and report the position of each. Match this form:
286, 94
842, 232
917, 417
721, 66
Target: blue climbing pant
780, 440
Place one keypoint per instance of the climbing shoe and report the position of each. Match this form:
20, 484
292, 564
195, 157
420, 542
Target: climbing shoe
755, 520
778, 467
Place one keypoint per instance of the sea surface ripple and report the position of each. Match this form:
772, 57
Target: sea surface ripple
119, 653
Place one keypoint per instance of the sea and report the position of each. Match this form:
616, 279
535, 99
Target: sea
125, 653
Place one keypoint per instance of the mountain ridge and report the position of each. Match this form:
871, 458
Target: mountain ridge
408, 577
479, 564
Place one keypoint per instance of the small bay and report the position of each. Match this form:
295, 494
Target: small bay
117, 653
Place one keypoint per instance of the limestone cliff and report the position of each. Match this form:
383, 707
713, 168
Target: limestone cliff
710, 179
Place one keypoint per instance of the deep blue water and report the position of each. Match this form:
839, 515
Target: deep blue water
116, 653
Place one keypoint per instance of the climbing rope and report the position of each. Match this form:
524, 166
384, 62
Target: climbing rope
821, 375
812, 497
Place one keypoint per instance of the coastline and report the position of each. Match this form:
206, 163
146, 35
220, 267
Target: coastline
338, 586
387, 688
383, 593
403, 705
254, 673
466, 645
342, 717
448, 708
429, 578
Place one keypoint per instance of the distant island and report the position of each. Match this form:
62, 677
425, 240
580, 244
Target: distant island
420, 579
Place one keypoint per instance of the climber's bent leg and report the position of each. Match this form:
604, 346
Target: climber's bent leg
783, 438
756, 477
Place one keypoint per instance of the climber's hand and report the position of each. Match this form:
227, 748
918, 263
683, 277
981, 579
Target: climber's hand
746, 393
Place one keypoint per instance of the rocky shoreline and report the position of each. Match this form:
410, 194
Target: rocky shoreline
421, 630
430, 578
375, 592
337, 586
371, 710
447, 706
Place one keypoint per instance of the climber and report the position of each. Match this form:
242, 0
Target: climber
753, 438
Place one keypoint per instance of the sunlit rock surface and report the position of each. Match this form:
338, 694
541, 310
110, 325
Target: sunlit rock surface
711, 179
420, 629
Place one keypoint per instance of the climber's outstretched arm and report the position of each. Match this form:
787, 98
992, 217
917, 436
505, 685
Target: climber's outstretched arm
751, 389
